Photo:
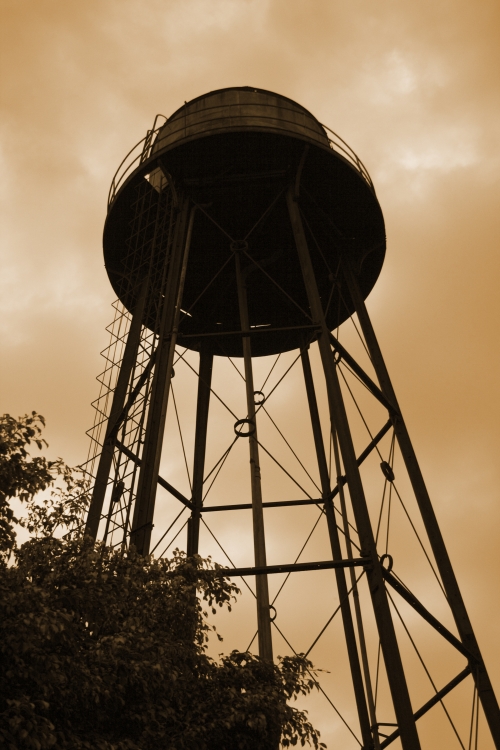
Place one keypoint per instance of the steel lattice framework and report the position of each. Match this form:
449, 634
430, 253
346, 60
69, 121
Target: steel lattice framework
192, 282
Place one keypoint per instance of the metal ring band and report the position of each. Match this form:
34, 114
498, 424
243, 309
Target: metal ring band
251, 430
389, 560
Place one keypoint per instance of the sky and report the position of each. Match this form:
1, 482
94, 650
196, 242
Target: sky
412, 87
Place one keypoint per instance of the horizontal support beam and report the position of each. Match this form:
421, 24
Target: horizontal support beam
293, 567
275, 504
247, 506
432, 702
162, 482
251, 332
308, 501
423, 612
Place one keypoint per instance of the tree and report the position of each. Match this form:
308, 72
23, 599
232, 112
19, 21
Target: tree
24, 477
106, 649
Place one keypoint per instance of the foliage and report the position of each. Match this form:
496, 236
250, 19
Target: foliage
106, 650
24, 479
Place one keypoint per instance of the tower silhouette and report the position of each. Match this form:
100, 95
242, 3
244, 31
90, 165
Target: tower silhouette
241, 235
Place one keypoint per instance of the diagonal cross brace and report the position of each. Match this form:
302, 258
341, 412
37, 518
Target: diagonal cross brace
372, 387
423, 612
113, 429
430, 703
162, 482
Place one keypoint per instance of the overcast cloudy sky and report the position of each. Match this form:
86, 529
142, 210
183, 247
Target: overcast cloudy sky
412, 87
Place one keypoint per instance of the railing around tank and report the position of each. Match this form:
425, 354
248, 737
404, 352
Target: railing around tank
136, 156
142, 151
341, 146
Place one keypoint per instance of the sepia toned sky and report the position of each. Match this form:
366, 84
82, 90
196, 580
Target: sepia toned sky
412, 87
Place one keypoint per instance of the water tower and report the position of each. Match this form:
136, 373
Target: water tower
239, 231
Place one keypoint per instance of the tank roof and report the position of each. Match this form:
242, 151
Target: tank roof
242, 88
239, 108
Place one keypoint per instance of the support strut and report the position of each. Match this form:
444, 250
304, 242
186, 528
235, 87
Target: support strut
261, 584
204, 383
443, 562
345, 608
148, 479
338, 416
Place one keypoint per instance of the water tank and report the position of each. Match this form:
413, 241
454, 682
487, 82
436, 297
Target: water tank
235, 152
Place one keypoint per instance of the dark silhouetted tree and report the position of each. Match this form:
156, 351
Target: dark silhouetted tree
106, 650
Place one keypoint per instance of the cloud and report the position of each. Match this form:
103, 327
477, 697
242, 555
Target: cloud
411, 87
